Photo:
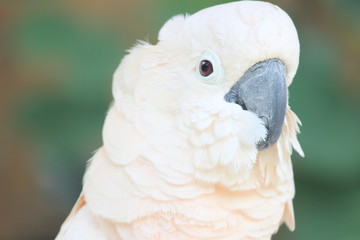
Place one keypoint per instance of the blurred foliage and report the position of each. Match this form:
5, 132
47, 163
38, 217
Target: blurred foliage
56, 63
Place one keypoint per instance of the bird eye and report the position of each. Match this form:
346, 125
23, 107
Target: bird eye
209, 68
206, 68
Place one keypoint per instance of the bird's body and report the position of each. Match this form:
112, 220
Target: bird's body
180, 162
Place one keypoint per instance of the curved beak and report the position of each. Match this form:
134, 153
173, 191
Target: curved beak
262, 90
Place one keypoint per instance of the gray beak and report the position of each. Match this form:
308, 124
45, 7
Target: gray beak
262, 90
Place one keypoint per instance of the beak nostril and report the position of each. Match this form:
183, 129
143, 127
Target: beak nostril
243, 106
241, 103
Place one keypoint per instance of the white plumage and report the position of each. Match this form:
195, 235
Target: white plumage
178, 161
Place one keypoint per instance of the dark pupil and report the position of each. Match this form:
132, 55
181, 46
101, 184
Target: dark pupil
206, 68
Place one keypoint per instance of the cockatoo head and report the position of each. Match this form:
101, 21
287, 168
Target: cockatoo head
216, 80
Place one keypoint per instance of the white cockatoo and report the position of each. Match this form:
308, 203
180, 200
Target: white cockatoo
197, 143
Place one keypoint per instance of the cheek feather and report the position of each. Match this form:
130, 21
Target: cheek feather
222, 139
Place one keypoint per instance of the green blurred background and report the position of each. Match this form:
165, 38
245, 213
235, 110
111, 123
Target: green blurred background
56, 64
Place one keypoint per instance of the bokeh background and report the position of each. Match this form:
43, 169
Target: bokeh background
56, 64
